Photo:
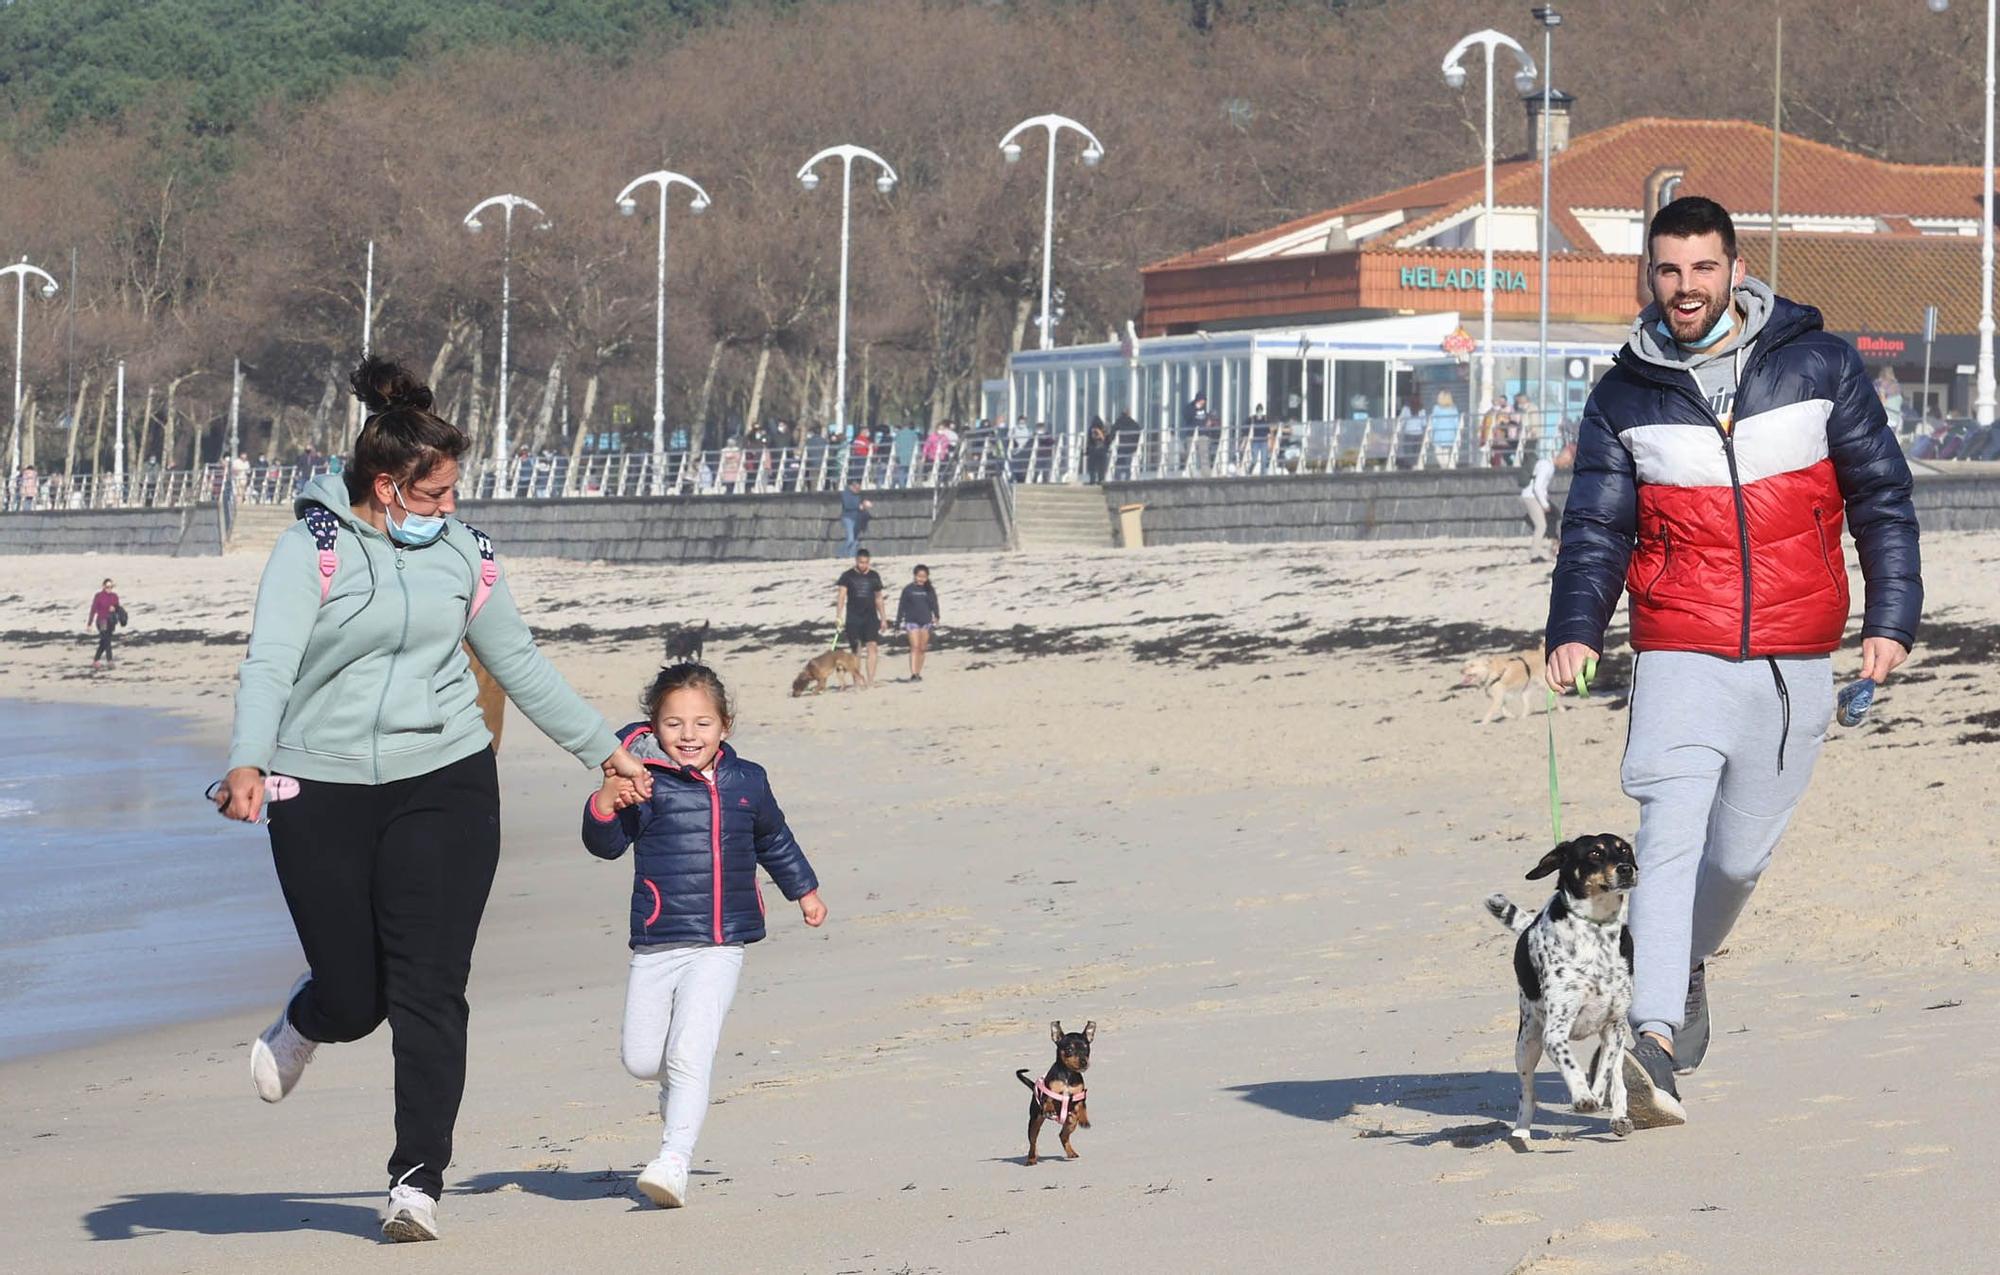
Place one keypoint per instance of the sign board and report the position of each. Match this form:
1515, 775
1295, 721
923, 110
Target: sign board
1930, 323
1462, 280
621, 414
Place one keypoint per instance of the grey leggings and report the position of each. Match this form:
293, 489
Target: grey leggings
675, 1001
1703, 762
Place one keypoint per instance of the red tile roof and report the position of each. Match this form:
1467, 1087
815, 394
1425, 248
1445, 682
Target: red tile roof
1727, 160
1875, 283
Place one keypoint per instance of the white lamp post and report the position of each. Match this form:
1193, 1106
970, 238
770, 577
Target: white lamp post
1093, 154
630, 207
885, 181
21, 270
503, 485
1548, 17
1524, 80
1983, 387
368, 303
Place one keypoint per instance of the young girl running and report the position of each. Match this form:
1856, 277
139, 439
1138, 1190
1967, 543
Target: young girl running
697, 843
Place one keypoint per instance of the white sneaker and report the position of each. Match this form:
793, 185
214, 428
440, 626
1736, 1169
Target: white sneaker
278, 1057
411, 1215
665, 1182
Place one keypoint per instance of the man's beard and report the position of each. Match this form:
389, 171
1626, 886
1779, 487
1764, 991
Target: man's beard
1689, 329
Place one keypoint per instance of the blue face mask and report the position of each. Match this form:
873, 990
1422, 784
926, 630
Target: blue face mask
1723, 327
415, 530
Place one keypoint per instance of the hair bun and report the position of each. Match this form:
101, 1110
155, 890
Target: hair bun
384, 386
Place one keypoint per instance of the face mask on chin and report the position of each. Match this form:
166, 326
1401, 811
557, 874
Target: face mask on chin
415, 530
1722, 327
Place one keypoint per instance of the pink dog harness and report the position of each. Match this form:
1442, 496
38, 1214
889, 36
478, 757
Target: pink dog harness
1063, 1100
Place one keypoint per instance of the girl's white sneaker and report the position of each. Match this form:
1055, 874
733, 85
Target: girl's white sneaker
278, 1056
411, 1215
665, 1182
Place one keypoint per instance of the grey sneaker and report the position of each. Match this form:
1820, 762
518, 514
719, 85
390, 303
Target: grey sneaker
1691, 1041
1651, 1100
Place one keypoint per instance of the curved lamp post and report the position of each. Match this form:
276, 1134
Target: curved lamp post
1093, 154
507, 204
1983, 387
885, 181
1524, 80
630, 207
21, 270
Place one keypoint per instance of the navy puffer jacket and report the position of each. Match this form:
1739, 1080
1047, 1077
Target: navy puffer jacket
1729, 540
696, 849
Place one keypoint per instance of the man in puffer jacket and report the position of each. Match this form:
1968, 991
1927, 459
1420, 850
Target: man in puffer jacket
1717, 463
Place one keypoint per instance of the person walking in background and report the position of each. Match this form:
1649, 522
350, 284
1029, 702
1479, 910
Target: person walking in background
357, 692
697, 842
1443, 426
917, 612
854, 517
1535, 496
1096, 450
30, 487
105, 613
903, 446
858, 607
1715, 462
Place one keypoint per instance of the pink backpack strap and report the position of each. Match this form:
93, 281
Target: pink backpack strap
325, 530
489, 573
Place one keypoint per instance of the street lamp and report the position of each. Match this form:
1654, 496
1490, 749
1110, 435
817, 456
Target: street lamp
630, 208
885, 181
21, 270
507, 203
1983, 388
1524, 80
1093, 154
1549, 19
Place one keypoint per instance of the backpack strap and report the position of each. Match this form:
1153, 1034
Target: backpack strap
325, 530
489, 572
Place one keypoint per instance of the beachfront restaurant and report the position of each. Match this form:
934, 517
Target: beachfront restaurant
1373, 311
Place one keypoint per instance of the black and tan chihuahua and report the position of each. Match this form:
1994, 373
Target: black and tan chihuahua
1060, 1095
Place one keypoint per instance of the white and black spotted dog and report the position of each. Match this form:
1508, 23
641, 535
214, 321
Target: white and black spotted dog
1574, 964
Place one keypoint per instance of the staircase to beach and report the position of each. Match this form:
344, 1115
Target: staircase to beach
1060, 516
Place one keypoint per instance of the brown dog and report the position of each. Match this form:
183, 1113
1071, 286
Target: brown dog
1060, 1095
1515, 675
492, 700
824, 666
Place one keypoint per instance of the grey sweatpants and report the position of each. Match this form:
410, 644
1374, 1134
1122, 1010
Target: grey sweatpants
675, 1001
1702, 761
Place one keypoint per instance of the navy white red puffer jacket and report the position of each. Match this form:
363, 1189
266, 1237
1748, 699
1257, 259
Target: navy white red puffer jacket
1730, 541
696, 847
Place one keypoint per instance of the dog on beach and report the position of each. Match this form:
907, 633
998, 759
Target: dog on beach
1573, 962
1513, 675
1060, 1095
825, 666
684, 645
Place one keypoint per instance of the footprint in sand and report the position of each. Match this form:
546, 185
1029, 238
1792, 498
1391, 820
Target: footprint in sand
1933, 1149
1606, 1231
1460, 1175
1510, 1217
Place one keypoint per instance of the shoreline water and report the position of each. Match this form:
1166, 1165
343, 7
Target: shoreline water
125, 903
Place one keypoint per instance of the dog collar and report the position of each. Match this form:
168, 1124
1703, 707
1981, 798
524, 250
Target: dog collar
1617, 919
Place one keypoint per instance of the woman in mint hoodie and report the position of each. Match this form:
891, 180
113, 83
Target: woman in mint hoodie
357, 714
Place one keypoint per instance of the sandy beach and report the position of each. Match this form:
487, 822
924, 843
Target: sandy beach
1225, 802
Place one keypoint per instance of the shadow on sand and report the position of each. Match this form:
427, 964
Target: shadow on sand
221, 1213
1485, 1100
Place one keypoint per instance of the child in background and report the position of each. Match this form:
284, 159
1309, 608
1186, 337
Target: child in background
697, 843
916, 612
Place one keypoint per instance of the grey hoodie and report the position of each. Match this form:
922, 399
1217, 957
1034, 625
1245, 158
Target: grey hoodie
1714, 371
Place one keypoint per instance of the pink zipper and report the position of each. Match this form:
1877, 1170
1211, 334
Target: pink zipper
715, 846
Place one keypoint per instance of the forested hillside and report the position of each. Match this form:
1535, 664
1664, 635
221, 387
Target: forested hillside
218, 166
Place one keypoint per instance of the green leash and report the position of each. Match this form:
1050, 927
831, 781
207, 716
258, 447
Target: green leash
1583, 676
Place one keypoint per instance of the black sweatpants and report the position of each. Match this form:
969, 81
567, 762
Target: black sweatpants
386, 884
104, 635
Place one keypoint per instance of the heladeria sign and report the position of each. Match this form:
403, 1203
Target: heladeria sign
1463, 280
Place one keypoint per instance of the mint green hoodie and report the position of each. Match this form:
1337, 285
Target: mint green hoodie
372, 685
